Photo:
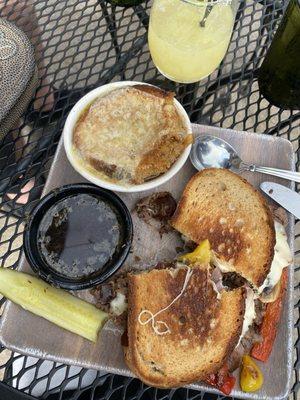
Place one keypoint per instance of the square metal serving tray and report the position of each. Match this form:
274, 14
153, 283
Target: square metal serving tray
28, 334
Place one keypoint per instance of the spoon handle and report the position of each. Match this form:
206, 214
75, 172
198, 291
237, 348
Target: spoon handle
281, 173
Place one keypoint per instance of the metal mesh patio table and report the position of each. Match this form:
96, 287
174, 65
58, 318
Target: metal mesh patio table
84, 44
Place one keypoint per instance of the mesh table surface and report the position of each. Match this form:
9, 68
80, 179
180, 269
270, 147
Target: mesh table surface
81, 45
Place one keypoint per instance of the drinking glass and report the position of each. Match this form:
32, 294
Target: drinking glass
189, 38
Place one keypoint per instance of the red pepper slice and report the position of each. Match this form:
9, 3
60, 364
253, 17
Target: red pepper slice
228, 385
222, 380
261, 351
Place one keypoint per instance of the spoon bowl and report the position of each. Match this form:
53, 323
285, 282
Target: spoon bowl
212, 152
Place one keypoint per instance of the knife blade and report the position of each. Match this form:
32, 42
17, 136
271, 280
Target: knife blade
284, 196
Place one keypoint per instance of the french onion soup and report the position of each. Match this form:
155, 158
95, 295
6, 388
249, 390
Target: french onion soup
131, 135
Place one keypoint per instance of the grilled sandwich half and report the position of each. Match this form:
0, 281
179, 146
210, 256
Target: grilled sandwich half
224, 208
188, 339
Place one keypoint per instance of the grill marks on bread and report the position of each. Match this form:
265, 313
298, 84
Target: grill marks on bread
188, 353
224, 208
188, 319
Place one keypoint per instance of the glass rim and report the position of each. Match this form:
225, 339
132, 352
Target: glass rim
202, 3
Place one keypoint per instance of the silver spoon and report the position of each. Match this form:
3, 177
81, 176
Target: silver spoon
213, 152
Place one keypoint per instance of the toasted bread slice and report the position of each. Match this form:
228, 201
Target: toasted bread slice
204, 327
224, 208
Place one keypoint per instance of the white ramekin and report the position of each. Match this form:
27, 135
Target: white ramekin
87, 174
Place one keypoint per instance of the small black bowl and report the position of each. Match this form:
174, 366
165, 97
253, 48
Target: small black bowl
38, 262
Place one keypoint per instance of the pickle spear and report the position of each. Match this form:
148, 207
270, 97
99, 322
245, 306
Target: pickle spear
55, 305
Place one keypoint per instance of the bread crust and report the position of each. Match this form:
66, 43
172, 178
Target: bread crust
156, 91
203, 207
163, 361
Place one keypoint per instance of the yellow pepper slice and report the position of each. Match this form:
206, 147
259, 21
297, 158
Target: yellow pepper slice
251, 378
201, 254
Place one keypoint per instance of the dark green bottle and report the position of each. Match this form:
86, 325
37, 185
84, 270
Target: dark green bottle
279, 75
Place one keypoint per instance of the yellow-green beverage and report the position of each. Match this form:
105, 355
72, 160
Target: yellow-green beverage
181, 48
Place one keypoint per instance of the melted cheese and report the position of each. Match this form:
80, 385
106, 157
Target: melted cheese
119, 129
282, 258
214, 286
224, 266
249, 315
118, 305
249, 312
